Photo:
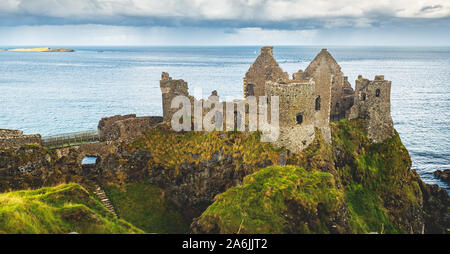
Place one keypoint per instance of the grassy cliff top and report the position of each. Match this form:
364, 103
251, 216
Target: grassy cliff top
351, 186
170, 149
270, 200
57, 210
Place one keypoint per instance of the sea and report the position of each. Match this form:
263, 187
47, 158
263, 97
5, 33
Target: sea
57, 92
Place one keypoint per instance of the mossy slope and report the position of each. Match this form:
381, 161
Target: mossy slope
57, 210
276, 200
169, 150
382, 192
351, 186
146, 207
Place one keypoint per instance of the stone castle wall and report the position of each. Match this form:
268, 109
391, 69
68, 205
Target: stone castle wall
125, 127
296, 115
171, 88
265, 68
15, 139
373, 105
319, 70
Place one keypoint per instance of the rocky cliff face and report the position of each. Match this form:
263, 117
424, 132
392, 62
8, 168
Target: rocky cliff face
192, 168
217, 181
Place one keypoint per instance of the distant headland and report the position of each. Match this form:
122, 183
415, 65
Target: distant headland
39, 50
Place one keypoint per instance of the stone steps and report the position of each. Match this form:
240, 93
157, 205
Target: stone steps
104, 199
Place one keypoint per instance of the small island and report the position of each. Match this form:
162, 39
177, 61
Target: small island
40, 50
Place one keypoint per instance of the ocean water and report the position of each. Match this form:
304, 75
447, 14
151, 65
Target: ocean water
51, 93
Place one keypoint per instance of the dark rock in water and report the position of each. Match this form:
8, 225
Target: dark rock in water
62, 50
436, 203
443, 175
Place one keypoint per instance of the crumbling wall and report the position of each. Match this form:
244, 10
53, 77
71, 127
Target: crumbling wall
171, 88
296, 113
125, 127
105, 126
321, 70
6, 132
327, 73
373, 105
341, 96
15, 139
265, 68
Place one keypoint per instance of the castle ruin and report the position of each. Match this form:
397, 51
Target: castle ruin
312, 98
16, 139
372, 103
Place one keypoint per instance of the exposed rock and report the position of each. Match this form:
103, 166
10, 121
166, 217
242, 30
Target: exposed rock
382, 194
278, 200
444, 175
436, 209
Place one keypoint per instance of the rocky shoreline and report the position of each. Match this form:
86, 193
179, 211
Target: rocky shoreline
443, 175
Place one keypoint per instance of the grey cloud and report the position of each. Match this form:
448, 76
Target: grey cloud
431, 8
269, 14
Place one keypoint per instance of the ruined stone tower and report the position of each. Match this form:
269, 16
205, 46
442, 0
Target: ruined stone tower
373, 105
265, 68
296, 112
170, 89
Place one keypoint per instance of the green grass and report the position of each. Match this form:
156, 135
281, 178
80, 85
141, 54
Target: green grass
379, 186
370, 185
269, 197
374, 181
57, 210
146, 207
171, 149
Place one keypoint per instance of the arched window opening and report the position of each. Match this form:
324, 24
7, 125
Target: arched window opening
89, 160
363, 96
318, 103
377, 93
299, 118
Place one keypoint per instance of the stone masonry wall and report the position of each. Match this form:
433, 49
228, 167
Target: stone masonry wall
373, 105
326, 72
171, 88
6, 132
15, 139
265, 68
105, 129
125, 127
296, 100
321, 71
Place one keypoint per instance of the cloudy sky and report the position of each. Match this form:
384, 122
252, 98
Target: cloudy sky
225, 22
